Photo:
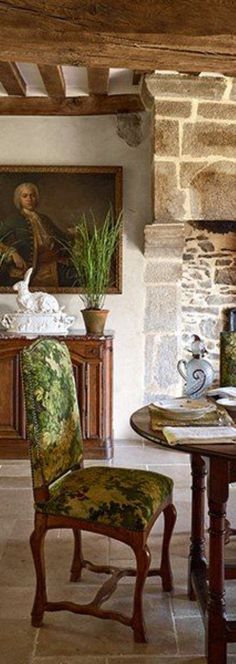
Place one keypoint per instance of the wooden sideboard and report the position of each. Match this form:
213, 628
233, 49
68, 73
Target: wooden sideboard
92, 363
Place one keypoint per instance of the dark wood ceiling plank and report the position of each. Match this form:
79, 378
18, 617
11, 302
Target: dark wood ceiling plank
11, 79
53, 80
98, 80
93, 105
180, 35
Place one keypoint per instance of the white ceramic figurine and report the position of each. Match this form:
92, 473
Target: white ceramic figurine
38, 313
37, 302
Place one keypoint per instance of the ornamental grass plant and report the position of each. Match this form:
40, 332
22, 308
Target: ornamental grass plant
91, 252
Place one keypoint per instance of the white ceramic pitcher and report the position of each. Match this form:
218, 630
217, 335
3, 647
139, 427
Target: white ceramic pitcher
197, 373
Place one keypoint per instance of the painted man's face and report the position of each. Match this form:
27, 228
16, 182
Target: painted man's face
28, 198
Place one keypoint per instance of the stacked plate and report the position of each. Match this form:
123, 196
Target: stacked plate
183, 408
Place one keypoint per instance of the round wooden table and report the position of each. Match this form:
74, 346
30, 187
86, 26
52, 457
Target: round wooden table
205, 581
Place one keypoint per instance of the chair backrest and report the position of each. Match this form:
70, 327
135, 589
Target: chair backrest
53, 422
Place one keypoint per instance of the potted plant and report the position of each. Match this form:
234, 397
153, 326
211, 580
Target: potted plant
91, 252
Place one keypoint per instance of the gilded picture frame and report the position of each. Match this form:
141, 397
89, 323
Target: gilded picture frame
60, 195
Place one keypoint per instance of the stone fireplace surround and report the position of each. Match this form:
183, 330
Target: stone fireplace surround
190, 249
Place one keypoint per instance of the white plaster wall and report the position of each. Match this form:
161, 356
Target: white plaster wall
94, 141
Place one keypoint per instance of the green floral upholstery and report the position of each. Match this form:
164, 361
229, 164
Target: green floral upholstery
116, 497
53, 422
112, 496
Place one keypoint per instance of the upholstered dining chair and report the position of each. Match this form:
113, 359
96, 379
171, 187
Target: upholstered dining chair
119, 503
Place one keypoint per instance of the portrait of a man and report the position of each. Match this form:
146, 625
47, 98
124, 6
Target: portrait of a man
39, 210
32, 240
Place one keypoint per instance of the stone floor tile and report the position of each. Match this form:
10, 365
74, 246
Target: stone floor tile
6, 527
190, 635
138, 442
13, 468
17, 638
180, 474
15, 483
182, 607
69, 635
16, 603
11, 501
149, 454
153, 659
165, 455
72, 660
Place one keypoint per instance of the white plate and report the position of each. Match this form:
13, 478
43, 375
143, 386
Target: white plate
227, 392
184, 408
231, 403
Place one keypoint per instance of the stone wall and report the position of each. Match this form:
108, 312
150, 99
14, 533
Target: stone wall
190, 269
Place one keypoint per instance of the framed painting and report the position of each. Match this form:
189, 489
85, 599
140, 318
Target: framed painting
39, 209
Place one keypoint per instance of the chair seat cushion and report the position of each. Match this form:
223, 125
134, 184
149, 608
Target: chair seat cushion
117, 497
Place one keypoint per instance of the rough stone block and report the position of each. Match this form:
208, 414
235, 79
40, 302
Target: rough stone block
210, 328
226, 276
233, 91
157, 271
165, 369
212, 190
147, 98
209, 138
149, 357
168, 200
166, 138
217, 111
188, 169
130, 128
162, 376
169, 108
162, 312
203, 87
163, 240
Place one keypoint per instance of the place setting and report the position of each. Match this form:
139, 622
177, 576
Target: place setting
203, 415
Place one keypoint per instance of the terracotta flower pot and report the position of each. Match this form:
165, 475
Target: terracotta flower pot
94, 320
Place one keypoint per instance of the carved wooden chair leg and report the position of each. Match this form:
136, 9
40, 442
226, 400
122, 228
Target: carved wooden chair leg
165, 569
77, 562
37, 546
143, 559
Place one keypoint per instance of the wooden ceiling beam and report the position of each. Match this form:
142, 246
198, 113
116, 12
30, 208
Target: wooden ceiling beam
180, 35
53, 80
203, 17
93, 105
98, 80
11, 79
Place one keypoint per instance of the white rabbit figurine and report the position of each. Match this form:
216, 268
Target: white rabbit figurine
37, 302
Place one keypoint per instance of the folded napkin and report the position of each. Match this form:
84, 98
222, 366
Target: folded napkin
200, 435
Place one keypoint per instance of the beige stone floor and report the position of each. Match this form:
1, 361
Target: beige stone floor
174, 625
